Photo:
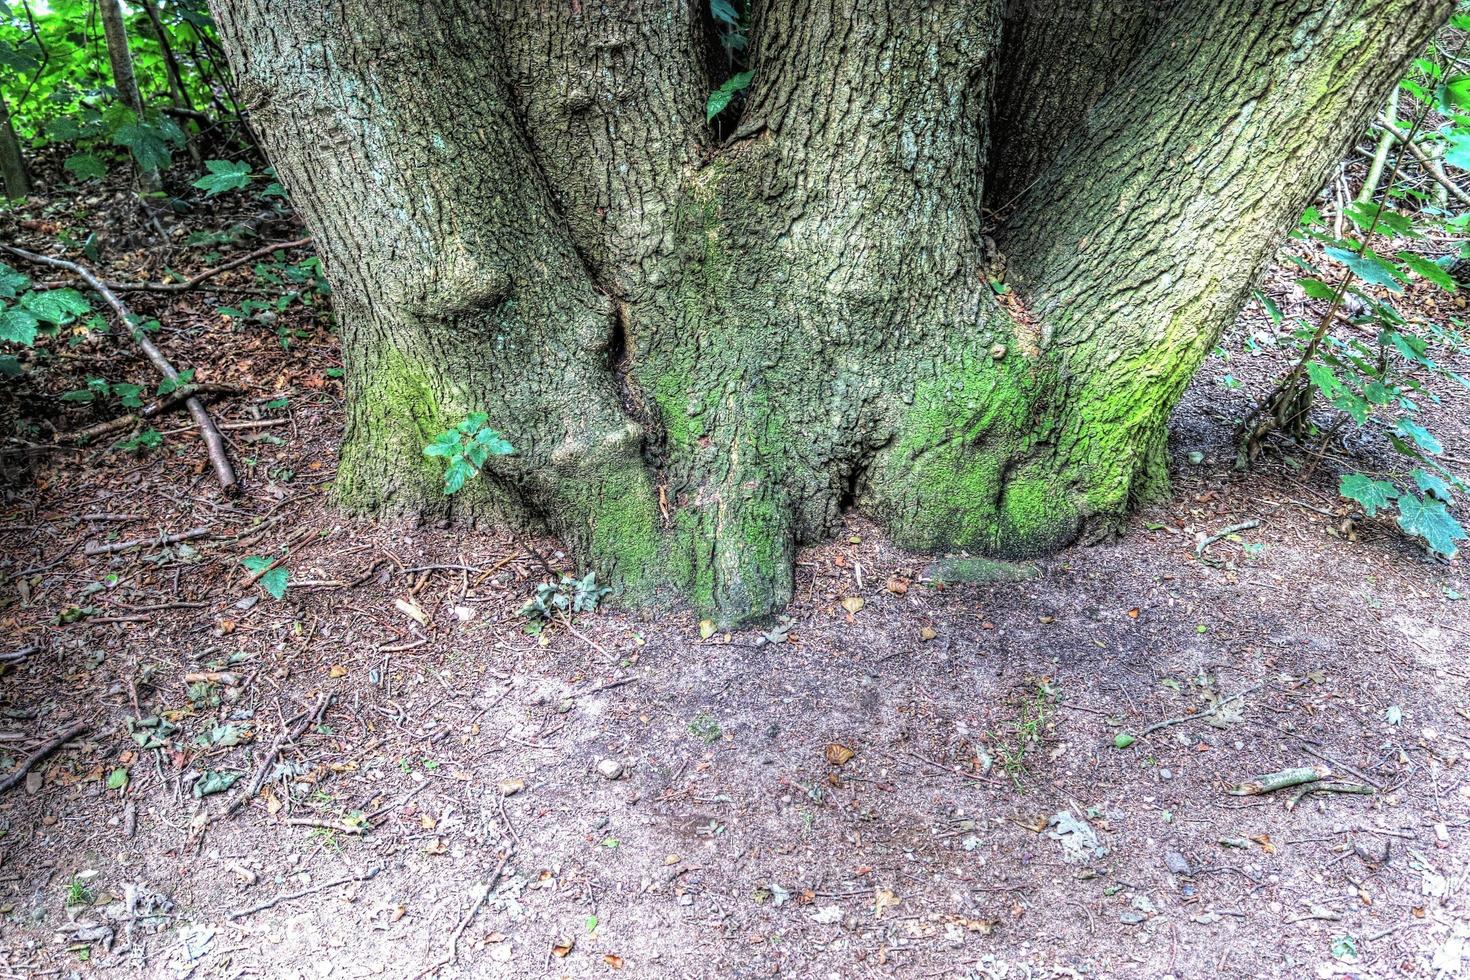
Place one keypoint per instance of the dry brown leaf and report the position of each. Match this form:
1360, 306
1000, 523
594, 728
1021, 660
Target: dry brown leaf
838, 754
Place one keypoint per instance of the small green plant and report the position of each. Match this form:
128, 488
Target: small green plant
563, 599
78, 893
147, 439
1359, 355
706, 728
465, 450
1024, 732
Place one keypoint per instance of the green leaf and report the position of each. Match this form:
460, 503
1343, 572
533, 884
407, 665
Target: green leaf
1323, 377
1432, 485
1369, 268
721, 96
494, 442
1428, 269
454, 477
724, 11
82, 396
85, 166
1457, 154
117, 779
224, 175
1456, 92
1372, 494
1422, 437
56, 306
214, 782
1431, 520
274, 582
18, 326
11, 282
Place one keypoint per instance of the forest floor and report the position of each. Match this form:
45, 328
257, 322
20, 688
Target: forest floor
928, 786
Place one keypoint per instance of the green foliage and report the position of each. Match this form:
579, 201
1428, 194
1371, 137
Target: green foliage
721, 96
564, 598
1362, 355
224, 175
24, 310
466, 448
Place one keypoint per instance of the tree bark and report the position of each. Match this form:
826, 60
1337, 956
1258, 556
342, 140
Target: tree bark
703, 353
15, 178
120, 57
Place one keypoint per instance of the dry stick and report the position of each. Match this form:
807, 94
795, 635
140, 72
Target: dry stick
1199, 549
214, 443
289, 735
367, 875
146, 412
1430, 165
1169, 722
190, 283
452, 956
162, 539
43, 752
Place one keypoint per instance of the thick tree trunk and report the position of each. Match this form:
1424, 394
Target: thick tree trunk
704, 353
14, 177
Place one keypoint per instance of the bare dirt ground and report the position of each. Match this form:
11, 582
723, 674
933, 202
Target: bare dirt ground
930, 786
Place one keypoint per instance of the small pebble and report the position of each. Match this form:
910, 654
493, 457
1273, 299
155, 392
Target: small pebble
610, 768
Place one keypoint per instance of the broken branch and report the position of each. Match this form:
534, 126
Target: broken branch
214, 443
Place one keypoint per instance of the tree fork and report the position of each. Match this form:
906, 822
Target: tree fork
704, 353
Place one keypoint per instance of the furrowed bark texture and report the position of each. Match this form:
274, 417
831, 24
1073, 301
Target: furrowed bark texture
704, 352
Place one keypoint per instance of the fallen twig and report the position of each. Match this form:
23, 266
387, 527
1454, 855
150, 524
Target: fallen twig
481, 894
1432, 168
1283, 779
162, 539
1219, 706
41, 753
297, 727
146, 412
193, 281
214, 443
1205, 541
367, 875
1316, 787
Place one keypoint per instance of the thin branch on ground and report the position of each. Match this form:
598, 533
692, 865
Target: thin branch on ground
50, 746
367, 875
214, 443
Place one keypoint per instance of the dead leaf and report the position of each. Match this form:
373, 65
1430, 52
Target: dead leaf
883, 899
337, 670
853, 603
706, 629
427, 821
838, 754
412, 611
510, 787
613, 960
563, 946
927, 633
898, 586
1133, 613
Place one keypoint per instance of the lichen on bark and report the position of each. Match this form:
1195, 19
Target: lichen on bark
705, 351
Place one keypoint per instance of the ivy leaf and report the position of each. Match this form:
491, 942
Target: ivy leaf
18, 326
1372, 494
224, 175
1432, 485
1457, 154
1369, 268
721, 96
454, 477
56, 306
85, 166
214, 782
1429, 270
1422, 437
1432, 521
11, 282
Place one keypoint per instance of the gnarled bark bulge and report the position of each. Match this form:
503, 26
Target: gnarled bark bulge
704, 349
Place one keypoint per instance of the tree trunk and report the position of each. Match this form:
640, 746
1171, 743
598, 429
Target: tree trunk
120, 57
704, 353
14, 177
176, 91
